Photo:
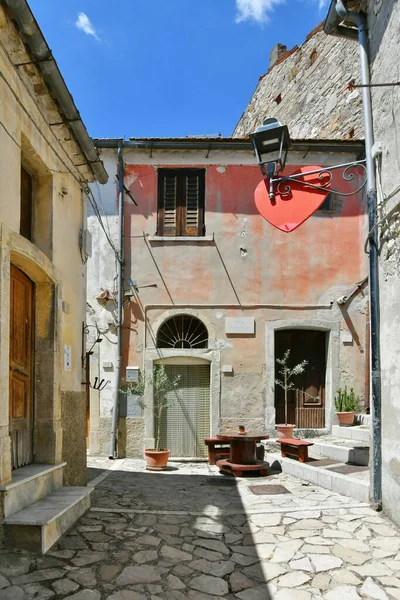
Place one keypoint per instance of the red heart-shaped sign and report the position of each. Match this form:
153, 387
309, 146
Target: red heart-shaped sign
294, 202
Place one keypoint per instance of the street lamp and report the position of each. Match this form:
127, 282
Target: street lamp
271, 143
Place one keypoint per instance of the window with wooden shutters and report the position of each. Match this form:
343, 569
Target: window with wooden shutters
181, 202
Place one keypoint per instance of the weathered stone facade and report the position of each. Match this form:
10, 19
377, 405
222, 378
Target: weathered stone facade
42, 405
383, 26
306, 90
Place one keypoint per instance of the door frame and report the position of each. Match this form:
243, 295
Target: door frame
47, 438
332, 379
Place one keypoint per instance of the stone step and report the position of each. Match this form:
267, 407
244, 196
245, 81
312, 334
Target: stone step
30, 484
39, 526
354, 432
345, 452
336, 482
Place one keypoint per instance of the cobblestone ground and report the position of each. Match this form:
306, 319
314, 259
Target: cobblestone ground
189, 533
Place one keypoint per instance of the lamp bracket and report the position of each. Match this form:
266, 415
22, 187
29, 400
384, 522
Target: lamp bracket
325, 175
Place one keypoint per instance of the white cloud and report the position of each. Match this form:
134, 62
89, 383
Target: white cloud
256, 10
260, 10
83, 23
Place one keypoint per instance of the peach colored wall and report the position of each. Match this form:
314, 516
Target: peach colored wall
242, 263
323, 254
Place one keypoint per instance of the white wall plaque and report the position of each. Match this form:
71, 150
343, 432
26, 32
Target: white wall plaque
346, 337
240, 325
67, 358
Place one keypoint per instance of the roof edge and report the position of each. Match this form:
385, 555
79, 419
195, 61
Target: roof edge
45, 62
233, 143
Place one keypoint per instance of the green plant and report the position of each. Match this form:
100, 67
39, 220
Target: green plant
162, 398
287, 373
346, 401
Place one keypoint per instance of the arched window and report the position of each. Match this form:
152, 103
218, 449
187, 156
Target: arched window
182, 331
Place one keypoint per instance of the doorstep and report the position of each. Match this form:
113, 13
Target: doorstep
30, 484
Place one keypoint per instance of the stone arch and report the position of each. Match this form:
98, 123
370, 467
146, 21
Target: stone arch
47, 432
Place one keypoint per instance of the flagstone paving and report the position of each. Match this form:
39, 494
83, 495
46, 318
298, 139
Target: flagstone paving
190, 533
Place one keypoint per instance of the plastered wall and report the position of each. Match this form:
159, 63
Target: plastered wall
52, 260
243, 267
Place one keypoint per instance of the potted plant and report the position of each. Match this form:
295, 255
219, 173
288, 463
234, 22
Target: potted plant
156, 458
346, 404
285, 430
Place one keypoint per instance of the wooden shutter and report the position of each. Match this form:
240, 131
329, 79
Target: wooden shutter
193, 212
181, 202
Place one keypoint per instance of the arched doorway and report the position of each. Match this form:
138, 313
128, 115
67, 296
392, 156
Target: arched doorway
185, 424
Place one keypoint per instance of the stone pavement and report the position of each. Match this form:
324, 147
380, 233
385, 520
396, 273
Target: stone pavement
190, 533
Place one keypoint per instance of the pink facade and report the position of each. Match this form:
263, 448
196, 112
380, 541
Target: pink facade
243, 268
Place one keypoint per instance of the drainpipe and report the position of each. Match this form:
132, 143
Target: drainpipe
120, 291
359, 20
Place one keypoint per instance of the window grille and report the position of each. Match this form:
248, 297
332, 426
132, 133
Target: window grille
182, 331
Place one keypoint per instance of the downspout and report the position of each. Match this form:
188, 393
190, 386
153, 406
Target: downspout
360, 21
120, 291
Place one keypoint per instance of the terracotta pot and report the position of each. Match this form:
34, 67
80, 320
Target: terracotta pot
156, 460
284, 431
345, 418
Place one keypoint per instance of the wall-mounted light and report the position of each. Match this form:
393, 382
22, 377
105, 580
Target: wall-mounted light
271, 143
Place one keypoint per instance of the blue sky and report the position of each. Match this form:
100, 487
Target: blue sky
168, 67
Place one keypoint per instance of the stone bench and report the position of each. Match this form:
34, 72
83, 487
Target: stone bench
295, 447
216, 448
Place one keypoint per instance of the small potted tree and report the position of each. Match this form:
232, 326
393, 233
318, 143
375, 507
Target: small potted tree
285, 430
346, 404
156, 458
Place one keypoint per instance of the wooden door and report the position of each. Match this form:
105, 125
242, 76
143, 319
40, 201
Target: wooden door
21, 363
306, 404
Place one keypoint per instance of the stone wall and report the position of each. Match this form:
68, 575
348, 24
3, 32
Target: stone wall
305, 89
383, 25
73, 419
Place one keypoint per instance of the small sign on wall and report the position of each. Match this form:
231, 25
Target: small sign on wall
67, 358
240, 326
132, 374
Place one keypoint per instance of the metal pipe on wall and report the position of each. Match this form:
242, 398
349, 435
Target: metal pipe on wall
359, 20
114, 424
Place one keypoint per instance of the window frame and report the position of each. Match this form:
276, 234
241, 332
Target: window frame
181, 228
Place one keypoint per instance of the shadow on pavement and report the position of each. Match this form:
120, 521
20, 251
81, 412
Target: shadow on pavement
192, 526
